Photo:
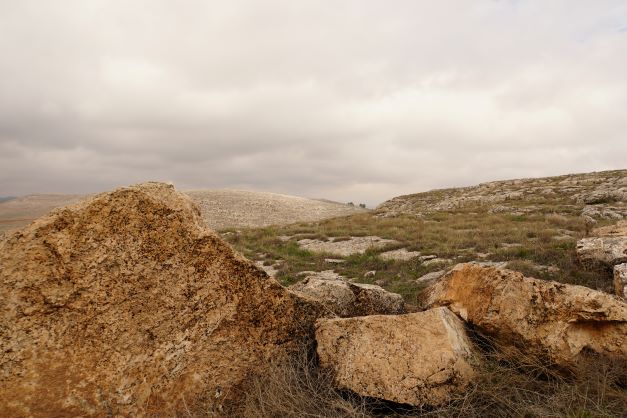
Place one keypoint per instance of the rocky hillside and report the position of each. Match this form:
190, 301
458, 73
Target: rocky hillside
126, 304
220, 209
223, 209
601, 195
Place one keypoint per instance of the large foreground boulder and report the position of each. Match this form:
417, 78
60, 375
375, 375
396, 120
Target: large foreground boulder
125, 305
347, 299
420, 358
540, 317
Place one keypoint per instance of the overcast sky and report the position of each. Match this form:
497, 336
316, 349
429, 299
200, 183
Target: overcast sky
349, 100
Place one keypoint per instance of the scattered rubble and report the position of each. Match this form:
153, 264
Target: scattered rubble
402, 254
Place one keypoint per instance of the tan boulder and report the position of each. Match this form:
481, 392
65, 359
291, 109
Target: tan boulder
418, 359
620, 280
608, 246
602, 250
125, 305
347, 299
545, 318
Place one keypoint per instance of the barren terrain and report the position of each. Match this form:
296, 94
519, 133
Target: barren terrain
495, 265
221, 209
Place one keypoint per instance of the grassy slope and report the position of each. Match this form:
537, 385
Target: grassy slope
460, 235
535, 233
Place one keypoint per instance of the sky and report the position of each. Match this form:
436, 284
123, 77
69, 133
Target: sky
350, 100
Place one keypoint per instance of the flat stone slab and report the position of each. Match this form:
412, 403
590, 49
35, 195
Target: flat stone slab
430, 277
400, 255
345, 247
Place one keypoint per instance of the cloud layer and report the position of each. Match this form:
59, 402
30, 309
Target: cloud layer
351, 100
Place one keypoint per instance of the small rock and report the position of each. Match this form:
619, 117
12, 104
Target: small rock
269, 270
429, 277
495, 264
401, 254
437, 261
620, 280
370, 273
347, 299
424, 258
510, 245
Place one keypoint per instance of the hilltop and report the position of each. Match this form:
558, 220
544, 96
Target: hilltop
226, 208
221, 209
594, 195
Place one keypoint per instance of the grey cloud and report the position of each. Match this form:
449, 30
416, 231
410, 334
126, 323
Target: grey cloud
350, 100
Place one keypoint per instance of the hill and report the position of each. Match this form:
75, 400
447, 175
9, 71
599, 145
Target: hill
221, 209
595, 195
528, 225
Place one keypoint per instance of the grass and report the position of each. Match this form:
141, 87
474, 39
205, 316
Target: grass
512, 385
540, 245
537, 237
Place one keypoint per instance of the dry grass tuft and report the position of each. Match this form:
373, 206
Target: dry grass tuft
296, 388
508, 384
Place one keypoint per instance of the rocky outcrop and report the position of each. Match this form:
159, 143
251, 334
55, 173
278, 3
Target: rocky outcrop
420, 358
597, 195
347, 299
607, 247
620, 280
125, 305
553, 320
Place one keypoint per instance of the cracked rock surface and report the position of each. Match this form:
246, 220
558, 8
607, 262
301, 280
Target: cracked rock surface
539, 317
608, 246
126, 305
417, 359
347, 299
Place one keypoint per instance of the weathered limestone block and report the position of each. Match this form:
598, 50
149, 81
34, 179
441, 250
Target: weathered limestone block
537, 316
420, 358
